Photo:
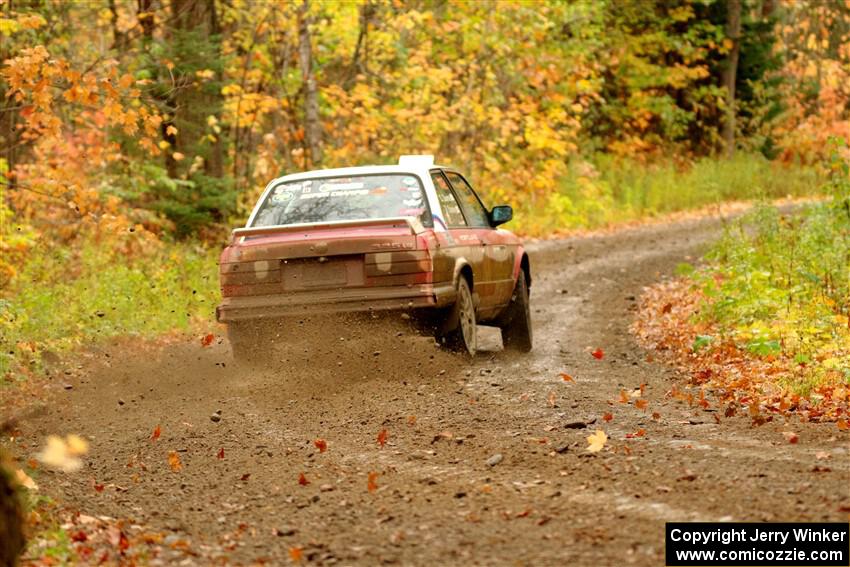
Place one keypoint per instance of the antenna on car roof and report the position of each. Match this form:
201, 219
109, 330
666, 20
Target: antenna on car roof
416, 159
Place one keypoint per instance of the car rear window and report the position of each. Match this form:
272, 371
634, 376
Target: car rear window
361, 197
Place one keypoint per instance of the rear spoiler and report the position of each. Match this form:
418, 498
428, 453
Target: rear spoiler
412, 223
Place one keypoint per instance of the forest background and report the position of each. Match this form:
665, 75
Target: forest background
135, 133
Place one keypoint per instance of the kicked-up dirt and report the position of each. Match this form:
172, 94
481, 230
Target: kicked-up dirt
483, 462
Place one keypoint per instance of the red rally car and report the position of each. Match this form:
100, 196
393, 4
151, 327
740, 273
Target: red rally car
412, 237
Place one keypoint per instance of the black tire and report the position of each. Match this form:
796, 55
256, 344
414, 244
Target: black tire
516, 328
462, 333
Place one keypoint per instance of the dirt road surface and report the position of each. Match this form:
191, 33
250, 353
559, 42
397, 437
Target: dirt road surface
484, 463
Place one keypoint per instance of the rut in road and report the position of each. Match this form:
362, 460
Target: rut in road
484, 461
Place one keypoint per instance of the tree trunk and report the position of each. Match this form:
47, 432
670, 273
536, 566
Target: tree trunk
194, 104
312, 125
730, 72
12, 540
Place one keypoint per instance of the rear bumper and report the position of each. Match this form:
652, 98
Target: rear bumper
346, 300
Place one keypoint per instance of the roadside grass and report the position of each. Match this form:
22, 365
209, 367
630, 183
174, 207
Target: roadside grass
62, 300
766, 323
608, 191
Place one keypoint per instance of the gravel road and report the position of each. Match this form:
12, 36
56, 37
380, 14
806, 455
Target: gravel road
484, 461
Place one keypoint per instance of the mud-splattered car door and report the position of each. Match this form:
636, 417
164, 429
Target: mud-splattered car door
499, 248
458, 241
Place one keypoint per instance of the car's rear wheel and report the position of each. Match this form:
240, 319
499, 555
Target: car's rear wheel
516, 328
463, 336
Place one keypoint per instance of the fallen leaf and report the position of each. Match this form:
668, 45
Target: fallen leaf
321, 445
598, 354
791, 437
608, 416
118, 539
296, 554
639, 433
551, 399
641, 404
411, 420
302, 480
98, 487
207, 340
156, 433
79, 536
25, 480
842, 424
63, 454
382, 437
371, 482
566, 377
245, 477
220, 454
656, 416
596, 441
624, 397
174, 461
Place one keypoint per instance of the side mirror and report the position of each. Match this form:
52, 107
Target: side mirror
501, 214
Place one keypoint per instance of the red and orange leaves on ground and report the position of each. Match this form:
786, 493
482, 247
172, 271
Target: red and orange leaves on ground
372, 482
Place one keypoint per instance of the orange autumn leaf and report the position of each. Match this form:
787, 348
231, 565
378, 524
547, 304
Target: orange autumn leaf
566, 377
174, 461
296, 554
411, 420
639, 433
641, 404
598, 354
220, 454
656, 415
608, 416
207, 340
842, 424
791, 437
321, 445
302, 480
624, 397
156, 433
371, 482
382, 437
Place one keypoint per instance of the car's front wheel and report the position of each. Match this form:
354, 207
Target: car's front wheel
516, 328
463, 335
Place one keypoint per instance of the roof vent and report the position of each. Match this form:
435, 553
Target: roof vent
424, 160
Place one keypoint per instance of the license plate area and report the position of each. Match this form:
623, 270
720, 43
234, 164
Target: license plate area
314, 273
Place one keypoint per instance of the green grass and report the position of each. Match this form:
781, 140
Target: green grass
62, 300
609, 191
780, 285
